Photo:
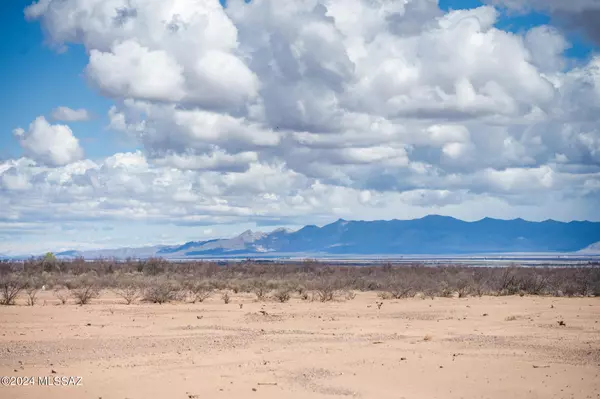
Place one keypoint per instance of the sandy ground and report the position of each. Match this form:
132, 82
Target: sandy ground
491, 347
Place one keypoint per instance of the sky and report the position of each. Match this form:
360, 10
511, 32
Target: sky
142, 122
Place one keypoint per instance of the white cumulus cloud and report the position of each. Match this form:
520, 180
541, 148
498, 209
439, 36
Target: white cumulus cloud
53, 145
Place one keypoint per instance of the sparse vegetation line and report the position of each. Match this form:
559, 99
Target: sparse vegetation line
159, 281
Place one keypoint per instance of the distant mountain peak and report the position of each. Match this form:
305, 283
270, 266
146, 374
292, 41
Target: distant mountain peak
340, 222
250, 236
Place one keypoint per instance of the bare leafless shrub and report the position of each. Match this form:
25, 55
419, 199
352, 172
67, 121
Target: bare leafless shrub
155, 266
481, 279
326, 289
595, 281
70, 283
220, 284
569, 282
445, 290
533, 284
129, 289
61, 294
162, 290
235, 286
282, 295
401, 287
130, 293
464, 285
33, 287
200, 291
568, 288
463, 290
372, 285
11, 286
84, 294
111, 280
260, 289
32, 295
584, 281
84, 289
508, 283
225, 297
384, 295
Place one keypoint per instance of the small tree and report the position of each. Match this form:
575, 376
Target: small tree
49, 262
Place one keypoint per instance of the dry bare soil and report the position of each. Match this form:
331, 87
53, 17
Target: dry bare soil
490, 347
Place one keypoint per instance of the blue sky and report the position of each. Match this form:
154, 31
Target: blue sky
36, 78
202, 154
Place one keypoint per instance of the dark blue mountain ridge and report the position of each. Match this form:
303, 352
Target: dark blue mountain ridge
430, 235
436, 234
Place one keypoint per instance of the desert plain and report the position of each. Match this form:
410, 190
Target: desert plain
446, 348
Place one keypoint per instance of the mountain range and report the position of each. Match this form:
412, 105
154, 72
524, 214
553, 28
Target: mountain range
431, 235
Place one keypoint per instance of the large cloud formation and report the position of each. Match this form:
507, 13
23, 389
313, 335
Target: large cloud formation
279, 111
